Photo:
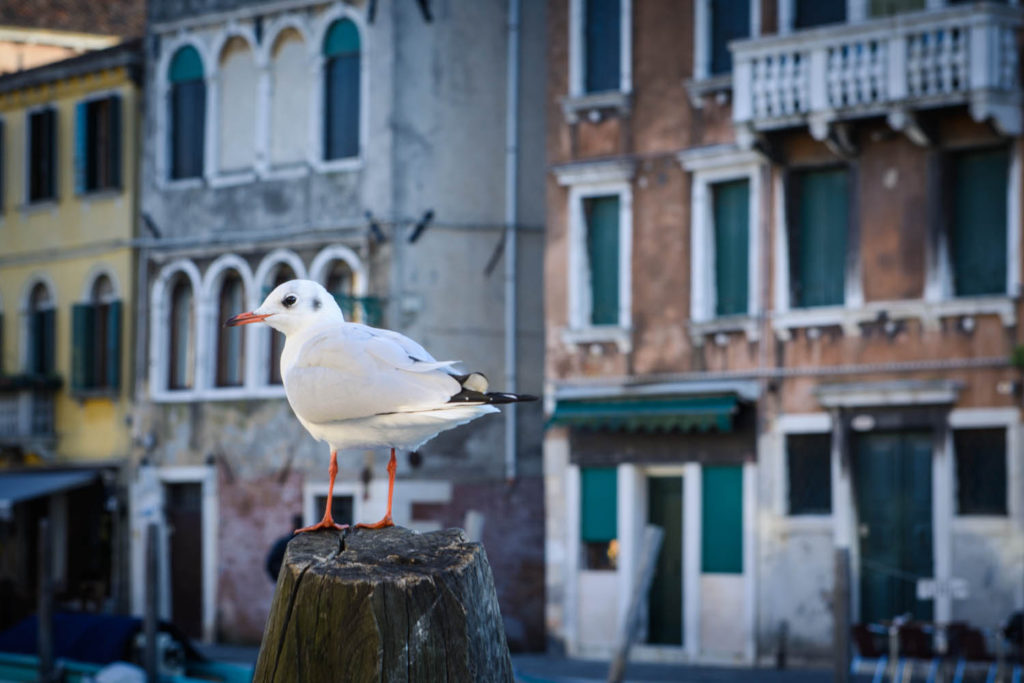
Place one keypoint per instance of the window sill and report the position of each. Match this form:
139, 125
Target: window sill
348, 164
40, 206
593, 106
719, 329
810, 523
622, 337
287, 172
232, 178
108, 393
219, 394
698, 88
983, 524
930, 313
184, 184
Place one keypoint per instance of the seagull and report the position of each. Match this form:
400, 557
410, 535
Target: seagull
356, 386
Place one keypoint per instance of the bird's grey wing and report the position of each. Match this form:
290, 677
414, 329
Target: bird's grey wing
346, 374
393, 346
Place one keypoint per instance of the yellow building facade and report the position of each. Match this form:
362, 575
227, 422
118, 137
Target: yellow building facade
67, 270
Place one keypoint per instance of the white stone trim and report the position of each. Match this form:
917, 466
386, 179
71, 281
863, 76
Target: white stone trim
784, 425
592, 172
268, 265
1008, 418
576, 48
97, 271
709, 167
579, 329
751, 532
573, 487
162, 86
900, 393
692, 505
702, 35
210, 326
207, 476
215, 175
316, 129
339, 252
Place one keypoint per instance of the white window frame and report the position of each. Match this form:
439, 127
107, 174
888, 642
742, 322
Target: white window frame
317, 108
97, 96
25, 334
210, 326
264, 164
702, 37
160, 332
710, 167
162, 86
990, 418
802, 423
577, 44
598, 180
215, 175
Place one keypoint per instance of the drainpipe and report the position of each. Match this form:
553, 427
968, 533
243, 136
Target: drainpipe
511, 217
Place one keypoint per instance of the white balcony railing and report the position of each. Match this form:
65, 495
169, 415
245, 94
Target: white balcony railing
26, 417
965, 55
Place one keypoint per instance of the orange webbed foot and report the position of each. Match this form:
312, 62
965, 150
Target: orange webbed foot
382, 524
322, 524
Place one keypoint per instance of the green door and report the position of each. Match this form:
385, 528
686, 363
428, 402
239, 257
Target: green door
893, 481
665, 611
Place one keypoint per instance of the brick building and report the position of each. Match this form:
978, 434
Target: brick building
783, 273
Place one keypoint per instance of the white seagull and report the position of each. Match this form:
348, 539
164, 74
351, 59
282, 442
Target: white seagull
356, 386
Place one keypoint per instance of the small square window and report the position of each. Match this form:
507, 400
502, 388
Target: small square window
809, 468
980, 471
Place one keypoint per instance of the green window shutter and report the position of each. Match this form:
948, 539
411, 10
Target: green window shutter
598, 504
113, 350
602, 219
81, 345
818, 237
730, 20
732, 227
186, 65
114, 141
721, 538
51, 152
188, 114
602, 38
48, 328
82, 146
978, 231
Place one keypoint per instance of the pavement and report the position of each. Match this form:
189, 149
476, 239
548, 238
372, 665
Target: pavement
545, 668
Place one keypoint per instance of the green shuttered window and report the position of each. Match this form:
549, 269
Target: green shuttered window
96, 346
602, 219
601, 45
341, 91
598, 504
818, 232
98, 144
42, 155
42, 342
721, 539
187, 113
977, 237
730, 20
732, 226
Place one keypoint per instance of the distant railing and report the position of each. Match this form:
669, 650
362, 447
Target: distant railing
961, 55
27, 408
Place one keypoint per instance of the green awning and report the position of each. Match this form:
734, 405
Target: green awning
649, 414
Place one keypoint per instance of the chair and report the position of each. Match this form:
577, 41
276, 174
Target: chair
916, 645
872, 649
967, 644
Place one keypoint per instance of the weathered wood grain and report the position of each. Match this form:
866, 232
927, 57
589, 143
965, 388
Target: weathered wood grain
384, 605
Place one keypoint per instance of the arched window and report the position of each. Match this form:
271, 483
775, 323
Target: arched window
187, 113
339, 281
341, 90
181, 358
96, 339
237, 99
283, 274
289, 120
230, 340
42, 338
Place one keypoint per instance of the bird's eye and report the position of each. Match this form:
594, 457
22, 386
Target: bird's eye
289, 300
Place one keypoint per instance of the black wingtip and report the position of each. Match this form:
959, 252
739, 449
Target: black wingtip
494, 397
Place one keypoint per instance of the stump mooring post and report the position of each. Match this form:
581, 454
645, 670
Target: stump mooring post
384, 605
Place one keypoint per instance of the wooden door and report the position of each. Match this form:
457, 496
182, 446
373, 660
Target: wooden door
183, 504
665, 601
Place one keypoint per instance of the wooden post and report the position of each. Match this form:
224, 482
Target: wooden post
384, 605
47, 673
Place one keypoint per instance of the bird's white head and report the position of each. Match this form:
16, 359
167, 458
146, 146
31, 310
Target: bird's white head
292, 307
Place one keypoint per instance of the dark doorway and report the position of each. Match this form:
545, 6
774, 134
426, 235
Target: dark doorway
184, 510
893, 481
341, 509
665, 602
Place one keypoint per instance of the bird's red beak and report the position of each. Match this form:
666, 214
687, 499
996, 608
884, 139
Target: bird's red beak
245, 319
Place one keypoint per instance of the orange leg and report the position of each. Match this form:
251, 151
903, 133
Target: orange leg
328, 521
386, 522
